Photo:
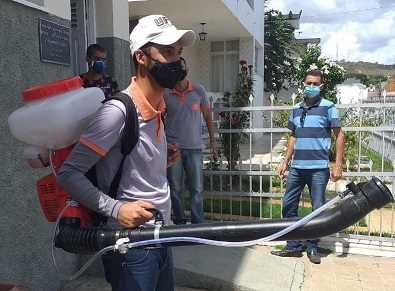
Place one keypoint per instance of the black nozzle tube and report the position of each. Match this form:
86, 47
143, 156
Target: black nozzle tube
367, 197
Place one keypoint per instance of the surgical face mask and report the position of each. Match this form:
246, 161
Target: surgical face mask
98, 66
166, 74
311, 91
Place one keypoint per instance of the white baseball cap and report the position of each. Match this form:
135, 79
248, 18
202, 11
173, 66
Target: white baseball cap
158, 29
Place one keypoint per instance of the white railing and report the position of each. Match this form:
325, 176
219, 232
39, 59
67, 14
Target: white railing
253, 190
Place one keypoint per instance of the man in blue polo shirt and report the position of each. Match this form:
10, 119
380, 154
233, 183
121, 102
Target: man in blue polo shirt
185, 105
311, 122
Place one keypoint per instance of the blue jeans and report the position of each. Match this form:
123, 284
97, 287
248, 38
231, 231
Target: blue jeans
192, 163
140, 270
316, 180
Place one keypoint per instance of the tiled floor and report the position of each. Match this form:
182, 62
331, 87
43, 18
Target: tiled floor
346, 272
337, 272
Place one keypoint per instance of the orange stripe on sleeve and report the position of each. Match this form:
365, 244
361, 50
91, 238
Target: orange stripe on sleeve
206, 108
93, 147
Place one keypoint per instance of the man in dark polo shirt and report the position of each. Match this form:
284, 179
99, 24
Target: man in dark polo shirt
96, 58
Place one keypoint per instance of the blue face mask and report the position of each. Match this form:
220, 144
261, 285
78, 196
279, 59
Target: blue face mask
99, 66
311, 91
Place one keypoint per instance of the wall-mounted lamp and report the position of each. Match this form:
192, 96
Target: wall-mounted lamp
202, 35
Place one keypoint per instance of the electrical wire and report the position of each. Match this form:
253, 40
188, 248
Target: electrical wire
347, 12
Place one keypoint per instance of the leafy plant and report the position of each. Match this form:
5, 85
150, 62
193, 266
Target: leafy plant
240, 97
279, 66
332, 72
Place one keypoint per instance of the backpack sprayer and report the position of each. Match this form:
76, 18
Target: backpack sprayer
51, 121
56, 114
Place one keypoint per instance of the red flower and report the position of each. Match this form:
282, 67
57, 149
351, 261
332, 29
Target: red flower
222, 114
236, 121
242, 63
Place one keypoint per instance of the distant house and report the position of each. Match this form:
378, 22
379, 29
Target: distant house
351, 91
390, 86
300, 44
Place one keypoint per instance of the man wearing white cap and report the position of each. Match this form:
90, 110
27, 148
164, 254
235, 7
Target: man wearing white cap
155, 45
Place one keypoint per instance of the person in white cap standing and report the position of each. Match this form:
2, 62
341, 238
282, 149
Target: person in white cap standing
156, 45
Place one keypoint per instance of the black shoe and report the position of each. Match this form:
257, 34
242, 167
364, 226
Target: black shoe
180, 222
288, 253
314, 257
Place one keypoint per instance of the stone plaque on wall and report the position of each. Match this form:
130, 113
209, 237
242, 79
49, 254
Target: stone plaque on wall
54, 42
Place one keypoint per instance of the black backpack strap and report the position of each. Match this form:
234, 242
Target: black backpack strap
129, 138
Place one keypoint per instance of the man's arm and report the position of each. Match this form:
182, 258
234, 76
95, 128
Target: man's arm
288, 156
72, 179
210, 127
337, 168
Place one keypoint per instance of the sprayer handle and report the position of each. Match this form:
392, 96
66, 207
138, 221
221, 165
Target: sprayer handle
158, 215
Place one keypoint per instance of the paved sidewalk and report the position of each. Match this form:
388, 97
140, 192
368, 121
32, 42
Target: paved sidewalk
337, 272
345, 272
355, 266
100, 284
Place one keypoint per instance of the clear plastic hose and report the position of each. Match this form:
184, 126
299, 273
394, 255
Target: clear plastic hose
51, 153
86, 265
280, 233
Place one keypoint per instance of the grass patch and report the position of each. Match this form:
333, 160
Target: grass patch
239, 206
367, 233
376, 159
372, 155
243, 207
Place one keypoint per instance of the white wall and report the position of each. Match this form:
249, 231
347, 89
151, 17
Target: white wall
59, 8
252, 20
352, 93
112, 18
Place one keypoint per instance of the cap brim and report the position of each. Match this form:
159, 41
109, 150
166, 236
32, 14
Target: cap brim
187, 37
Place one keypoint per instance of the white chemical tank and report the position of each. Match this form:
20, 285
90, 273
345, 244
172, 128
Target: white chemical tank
55, 114
36, 157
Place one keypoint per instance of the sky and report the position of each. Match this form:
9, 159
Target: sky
352, 30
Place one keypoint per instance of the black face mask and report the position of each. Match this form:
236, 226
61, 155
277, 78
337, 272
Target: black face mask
166, 75
184, 75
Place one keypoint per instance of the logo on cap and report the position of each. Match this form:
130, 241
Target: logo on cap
163, 22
